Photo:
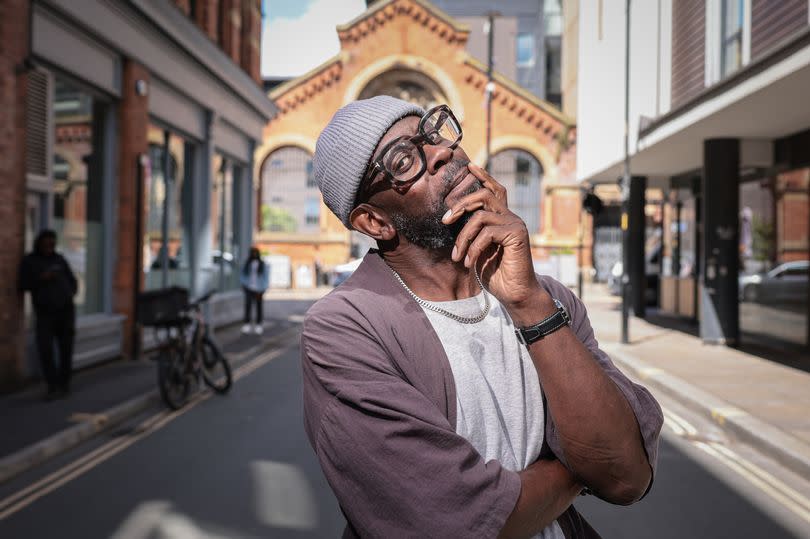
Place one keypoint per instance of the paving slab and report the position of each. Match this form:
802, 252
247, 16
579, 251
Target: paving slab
759, 399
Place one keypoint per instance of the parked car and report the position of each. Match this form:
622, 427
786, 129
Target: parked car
786, 283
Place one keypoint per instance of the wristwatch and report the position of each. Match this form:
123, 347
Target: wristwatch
544, 328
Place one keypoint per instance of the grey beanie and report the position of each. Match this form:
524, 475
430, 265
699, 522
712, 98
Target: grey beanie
345, 146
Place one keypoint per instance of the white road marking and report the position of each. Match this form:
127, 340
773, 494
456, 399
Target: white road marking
71, 471
765, 481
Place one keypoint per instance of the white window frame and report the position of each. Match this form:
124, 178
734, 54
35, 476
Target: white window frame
714, 38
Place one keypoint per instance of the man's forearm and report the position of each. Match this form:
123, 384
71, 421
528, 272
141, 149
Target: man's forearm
596, 425
547, 489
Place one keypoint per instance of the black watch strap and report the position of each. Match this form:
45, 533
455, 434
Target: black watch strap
545, 327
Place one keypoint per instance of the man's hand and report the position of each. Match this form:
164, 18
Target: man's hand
495, 241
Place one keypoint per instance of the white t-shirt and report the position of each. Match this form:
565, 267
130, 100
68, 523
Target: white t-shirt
499, 400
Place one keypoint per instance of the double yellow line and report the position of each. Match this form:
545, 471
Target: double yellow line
28, 495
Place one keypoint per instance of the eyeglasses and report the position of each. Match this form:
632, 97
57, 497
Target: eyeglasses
403, 159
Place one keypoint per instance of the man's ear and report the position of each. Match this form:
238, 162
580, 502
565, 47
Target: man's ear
372, 222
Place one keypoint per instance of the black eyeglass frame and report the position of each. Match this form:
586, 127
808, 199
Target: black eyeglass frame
418, 140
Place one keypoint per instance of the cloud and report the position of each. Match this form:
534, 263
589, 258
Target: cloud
292, 46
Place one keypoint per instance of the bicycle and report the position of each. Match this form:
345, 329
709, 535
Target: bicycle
187, 352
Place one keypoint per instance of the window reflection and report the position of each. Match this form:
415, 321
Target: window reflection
77, 187
773, 282
167, 195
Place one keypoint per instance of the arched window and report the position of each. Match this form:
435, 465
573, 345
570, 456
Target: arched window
291, 201
408, 85
521, 174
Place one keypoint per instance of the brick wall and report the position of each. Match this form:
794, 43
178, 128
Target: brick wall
230, 28
134, 123
183, 5
13, 79
207, 17
251, 38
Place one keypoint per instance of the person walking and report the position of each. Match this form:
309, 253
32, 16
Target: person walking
255, 279
422, 395
48, 277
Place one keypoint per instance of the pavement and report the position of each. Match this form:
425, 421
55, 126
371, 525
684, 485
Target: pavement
758, 400
755, 398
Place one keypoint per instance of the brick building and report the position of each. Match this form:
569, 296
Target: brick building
129, 127
413, 50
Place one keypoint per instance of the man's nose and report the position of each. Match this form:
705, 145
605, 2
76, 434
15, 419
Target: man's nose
437, 157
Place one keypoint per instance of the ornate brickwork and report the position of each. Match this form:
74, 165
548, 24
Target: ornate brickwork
412, 36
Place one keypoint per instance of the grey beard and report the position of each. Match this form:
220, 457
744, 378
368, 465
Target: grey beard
428, 231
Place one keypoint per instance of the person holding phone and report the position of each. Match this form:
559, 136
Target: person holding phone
48, 277
449, 391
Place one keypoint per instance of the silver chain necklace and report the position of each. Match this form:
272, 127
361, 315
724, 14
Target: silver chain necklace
448, 314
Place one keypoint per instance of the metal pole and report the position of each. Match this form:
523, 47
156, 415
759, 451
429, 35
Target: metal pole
168, 184
490, 84
579, 254
626, 183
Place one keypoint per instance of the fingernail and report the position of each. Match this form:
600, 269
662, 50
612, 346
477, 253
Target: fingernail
454, 253
447, 214
467, 261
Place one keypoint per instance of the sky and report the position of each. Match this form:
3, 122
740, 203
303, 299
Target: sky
298, 35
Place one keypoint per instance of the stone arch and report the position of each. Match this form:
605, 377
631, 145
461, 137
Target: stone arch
273, 143
407, 84
527, 144
406, 62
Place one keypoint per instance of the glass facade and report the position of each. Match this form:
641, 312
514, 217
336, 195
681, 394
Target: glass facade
773, 282
223, 268
78, 188
679, 250
167, 196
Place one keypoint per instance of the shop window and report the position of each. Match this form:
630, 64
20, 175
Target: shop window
773, 283
77, 174
521, 174
167, 195
226, 257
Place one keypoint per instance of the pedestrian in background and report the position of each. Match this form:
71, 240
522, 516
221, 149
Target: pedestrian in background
47, 275
255, 279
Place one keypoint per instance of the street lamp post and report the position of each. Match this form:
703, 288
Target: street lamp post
626, 183
490, 88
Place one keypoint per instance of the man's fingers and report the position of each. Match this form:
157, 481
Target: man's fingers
481, 199
490, 183
472, 229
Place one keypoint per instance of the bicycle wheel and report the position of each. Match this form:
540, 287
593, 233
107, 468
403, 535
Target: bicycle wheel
173, 379
216, 371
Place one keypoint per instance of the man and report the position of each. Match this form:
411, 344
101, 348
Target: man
424, 406
47, 275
